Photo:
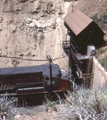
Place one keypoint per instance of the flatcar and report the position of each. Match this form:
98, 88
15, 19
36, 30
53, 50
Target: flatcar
16, 81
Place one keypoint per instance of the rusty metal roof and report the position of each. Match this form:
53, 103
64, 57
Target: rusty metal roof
77, 21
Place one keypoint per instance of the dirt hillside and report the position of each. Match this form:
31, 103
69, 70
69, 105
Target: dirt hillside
32, 29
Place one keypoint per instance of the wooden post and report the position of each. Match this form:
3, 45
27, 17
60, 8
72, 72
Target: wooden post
50, 61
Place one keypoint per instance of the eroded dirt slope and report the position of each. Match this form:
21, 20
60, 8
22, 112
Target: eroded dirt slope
31, 29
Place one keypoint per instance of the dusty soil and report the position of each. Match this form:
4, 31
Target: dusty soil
41, 114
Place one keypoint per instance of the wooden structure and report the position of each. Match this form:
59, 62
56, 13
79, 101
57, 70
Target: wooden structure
84, 35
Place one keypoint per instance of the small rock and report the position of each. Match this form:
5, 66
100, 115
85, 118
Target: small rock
17, 8
35, 9
21, 55
13, 28
58, 21
33, 55
17, 116
1, 29
1, 19
28, 20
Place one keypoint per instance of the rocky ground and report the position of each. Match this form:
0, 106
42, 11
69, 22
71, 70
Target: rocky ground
41, 114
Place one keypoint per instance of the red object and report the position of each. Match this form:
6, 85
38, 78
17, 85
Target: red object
79, 55
64, 85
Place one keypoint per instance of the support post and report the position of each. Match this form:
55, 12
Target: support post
50, 61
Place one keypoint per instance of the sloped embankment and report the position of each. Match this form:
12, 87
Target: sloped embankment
31, 29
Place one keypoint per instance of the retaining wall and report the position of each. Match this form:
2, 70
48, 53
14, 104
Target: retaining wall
100, 75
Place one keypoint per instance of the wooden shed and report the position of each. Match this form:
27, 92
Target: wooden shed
83, 30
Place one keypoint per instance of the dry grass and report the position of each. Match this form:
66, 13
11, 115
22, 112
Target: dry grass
85, 105
82, 104
8, 107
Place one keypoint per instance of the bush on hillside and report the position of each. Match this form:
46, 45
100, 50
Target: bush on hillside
85, 105
7, 107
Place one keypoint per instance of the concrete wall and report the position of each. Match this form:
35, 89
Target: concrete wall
100, 75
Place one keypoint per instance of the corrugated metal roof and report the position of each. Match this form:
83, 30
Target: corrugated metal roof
77, 21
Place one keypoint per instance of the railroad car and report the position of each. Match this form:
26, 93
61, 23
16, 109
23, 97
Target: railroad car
16, 81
